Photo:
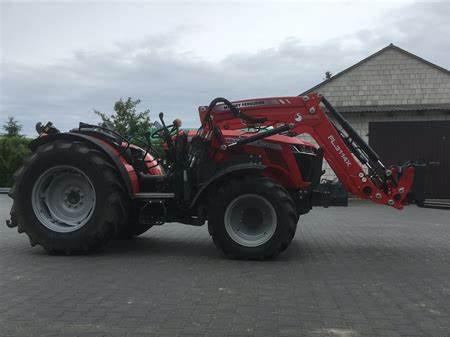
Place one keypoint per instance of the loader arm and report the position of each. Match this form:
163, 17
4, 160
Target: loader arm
356, 165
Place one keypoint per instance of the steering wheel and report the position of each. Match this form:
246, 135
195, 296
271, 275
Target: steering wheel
159, 133
164, 131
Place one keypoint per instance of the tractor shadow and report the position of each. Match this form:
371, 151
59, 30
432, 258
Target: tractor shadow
196, 244
301, 251
162, 246
192, 246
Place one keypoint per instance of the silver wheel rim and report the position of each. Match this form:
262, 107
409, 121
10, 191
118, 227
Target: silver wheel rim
63, 199
250, 220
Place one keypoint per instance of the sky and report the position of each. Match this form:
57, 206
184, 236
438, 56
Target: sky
61, 60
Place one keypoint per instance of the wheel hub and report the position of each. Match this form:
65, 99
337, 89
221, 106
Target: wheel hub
250, 220
73, 197
63, 198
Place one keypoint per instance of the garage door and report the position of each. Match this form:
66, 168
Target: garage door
428, 142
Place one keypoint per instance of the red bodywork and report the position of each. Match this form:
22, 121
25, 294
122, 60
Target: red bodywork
305, 116
276, 154
150, 162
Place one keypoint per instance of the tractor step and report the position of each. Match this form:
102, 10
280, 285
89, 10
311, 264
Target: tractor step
156, 195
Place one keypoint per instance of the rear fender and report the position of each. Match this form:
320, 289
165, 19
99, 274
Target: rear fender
221, 176
125, 170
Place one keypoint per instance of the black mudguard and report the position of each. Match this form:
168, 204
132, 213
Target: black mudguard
224, 174
100, 145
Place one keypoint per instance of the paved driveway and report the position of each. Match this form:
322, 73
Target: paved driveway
359, 271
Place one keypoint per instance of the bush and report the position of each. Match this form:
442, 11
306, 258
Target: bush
13, 150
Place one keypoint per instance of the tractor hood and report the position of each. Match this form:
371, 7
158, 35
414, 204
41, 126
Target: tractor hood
274, 139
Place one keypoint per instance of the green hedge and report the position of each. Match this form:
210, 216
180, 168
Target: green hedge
13, 150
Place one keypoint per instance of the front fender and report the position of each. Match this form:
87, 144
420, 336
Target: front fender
227, 173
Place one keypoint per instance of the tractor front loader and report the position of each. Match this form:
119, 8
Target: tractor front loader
244, 172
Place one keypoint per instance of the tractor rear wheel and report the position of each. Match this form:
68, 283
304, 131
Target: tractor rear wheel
68, 198
252, 218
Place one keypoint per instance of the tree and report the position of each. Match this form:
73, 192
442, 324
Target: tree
12, 127
126, 120
13, 150
132, 124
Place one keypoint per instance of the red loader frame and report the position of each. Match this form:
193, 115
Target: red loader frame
356, 165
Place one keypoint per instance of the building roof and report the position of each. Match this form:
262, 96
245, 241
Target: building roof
391, 79
396, 108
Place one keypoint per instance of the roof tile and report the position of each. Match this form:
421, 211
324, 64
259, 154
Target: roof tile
392, 77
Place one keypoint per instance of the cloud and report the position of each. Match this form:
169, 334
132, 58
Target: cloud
177, 81
424, 28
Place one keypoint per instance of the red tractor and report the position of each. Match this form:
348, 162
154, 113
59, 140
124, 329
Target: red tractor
244, 172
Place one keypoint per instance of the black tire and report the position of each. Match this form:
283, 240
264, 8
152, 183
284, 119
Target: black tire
276, 195
108, 214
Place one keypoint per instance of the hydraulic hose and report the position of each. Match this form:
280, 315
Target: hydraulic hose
235, 111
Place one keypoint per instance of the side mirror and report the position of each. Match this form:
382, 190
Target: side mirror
39, 128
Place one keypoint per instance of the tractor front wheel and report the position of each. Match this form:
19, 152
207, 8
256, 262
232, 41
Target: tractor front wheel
252, 218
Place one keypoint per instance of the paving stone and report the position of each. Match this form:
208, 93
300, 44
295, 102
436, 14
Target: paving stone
365, 270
